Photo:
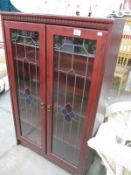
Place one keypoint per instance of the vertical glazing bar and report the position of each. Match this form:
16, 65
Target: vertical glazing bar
72, 67
31, 92
62, 135
83, 94
62, 132
58, 78
75, 78
72, 61
66, 88
36, 85
58, 84
74, 90
23, 68
84, 86
18, 81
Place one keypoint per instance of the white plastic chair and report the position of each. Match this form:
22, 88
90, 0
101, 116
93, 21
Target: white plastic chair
110, 140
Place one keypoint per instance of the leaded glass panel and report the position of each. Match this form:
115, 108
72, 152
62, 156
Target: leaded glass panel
73, 65
25, 45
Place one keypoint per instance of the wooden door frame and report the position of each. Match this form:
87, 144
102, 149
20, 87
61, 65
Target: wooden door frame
40, 28
96, 82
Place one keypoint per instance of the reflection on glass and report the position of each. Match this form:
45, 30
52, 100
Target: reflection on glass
75, 45
25, 46
122, 77
73, 64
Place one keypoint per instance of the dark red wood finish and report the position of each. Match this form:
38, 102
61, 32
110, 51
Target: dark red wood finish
40, 28
94, 89
84, 22
101, 80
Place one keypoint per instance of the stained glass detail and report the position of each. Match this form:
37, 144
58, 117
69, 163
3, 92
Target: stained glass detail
25, 45
67, 111
73, 65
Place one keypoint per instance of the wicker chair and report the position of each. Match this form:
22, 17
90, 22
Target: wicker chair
122, 70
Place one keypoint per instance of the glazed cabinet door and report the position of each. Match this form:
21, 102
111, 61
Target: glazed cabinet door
26, 64
74, 75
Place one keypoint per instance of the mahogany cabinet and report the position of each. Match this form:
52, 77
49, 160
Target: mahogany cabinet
59, 69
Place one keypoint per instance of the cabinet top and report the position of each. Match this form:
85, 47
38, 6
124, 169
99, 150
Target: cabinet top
86, 22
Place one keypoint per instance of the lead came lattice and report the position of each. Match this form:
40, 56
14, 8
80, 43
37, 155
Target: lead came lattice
71, 84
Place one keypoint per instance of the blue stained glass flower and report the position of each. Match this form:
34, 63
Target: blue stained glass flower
28, 96
67, 111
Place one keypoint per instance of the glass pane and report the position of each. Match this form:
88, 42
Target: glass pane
121, 87
73, 64
25, 46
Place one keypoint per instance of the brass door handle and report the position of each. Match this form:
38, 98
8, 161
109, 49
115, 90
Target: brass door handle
49, 108
42, 105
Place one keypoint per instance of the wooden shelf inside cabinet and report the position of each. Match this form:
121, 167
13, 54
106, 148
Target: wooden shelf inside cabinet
34, 96
74, 149
88, 55
71, 80
76, 111
29, 113
64, 135
73, 145
76, 65
31, 131
26, 45
27, 61
27, 77
31, 123
71, 74
26, 53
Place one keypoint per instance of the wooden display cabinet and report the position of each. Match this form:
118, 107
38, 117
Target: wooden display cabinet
59, 69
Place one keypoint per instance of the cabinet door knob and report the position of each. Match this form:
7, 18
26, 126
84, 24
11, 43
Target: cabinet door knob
49, 108
42, 105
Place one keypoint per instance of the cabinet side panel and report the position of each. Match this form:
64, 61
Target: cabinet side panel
111, 52
11, 78
7, 55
